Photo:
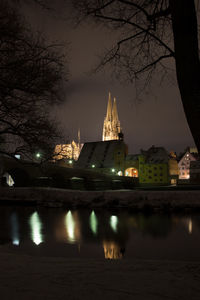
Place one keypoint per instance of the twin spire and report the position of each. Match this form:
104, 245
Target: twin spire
112, 113
111, 126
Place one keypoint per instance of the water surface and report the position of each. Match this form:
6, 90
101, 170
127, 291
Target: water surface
99, 234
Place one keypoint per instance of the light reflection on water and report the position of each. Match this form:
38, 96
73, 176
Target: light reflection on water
70, 227
114, 222
36, 228
116, 235
14, 229
93, 222
190, 226
112, 250
67, 228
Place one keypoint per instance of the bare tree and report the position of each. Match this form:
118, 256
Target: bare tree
31, 81
151, 33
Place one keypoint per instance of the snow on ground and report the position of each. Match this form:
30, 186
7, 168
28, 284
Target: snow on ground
159, 200
26, 277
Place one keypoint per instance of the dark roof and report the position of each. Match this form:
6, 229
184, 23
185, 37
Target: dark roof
156, 155
99, 153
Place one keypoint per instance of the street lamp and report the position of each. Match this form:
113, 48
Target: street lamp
38, 155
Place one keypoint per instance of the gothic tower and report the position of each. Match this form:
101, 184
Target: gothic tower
111, 126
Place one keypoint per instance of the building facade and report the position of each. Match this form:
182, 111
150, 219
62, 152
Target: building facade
153, 167
107, 157
70, 151
184, 165
195, 172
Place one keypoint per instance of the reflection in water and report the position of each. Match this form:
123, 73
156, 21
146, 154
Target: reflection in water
112, 250
70, 226
113, 223
110, 233
154, 225
36, 228
190, 226
14, 229
93, 222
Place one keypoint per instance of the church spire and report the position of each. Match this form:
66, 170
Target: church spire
114, 112
111, 126
79, 139
109, 108
79, 136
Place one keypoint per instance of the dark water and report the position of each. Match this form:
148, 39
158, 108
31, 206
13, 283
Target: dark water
100, 234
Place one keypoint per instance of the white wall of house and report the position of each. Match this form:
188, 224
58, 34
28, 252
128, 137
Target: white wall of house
184, 165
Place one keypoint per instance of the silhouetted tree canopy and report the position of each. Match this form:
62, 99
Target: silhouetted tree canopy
31, 81
151, 33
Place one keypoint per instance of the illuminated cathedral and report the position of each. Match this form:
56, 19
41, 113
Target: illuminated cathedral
68, 151
111, 126
111, 131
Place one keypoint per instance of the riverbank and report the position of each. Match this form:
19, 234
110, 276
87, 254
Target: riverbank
116, 199
27, 277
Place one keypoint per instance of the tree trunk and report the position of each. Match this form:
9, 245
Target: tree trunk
184, 23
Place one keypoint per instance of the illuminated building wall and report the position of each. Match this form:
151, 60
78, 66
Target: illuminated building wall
111, 126
68, 151
184, 165
154, 166
153, 173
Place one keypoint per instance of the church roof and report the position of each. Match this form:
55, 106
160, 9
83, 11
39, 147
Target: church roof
100, 153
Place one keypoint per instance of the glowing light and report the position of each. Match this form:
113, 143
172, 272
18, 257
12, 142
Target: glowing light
119, 173
36, 228
190, 226
113, 170
38, 155
114, 222
93, 166
9, 179
15, 242
112, 250
70, 226
93, 222
70, 161
14, 229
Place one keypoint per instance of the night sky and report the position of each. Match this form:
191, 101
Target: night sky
155, 117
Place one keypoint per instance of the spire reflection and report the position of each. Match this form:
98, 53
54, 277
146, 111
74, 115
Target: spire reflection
36, 228
14, 229
113, 223
93, 222
112, 250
